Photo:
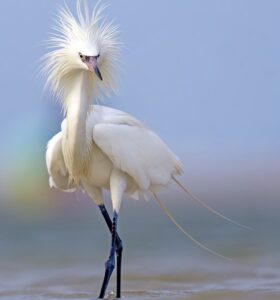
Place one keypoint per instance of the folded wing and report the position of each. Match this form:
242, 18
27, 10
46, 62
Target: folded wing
136, 150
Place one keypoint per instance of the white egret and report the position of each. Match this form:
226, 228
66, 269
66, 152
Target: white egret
99, 147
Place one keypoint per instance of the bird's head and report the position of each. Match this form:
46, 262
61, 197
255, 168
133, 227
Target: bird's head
85, 43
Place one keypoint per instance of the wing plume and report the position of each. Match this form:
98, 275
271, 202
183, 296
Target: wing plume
188, 235
209, 208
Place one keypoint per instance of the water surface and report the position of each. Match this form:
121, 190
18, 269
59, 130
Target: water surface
64, 258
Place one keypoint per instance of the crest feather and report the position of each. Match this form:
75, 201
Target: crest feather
69, 33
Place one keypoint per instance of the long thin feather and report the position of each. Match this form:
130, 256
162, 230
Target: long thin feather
72, 35
203, 204
188, 235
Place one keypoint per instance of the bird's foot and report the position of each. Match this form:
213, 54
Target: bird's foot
109, 296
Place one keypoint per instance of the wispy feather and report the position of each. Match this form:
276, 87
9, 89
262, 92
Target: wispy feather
87, 33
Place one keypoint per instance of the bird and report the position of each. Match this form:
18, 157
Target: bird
100, 148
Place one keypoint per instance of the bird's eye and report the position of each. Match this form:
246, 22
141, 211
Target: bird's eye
81, 55
98, 55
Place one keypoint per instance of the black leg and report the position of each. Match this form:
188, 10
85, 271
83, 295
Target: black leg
115, 247
119, 268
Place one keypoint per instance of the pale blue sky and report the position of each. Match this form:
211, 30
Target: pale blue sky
204, 75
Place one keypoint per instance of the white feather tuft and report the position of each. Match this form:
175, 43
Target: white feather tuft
89, 34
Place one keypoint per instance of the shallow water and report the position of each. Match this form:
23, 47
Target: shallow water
64, 258
79, 283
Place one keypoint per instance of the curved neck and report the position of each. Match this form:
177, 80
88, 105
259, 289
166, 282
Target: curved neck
75, 141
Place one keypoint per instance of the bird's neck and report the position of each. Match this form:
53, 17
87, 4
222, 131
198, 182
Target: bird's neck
76, 141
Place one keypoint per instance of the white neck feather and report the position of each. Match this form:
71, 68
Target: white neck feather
69, 79
76, 142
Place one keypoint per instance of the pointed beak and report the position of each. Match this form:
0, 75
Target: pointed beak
91, 62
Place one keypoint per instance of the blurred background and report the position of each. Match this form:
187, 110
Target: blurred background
205, 76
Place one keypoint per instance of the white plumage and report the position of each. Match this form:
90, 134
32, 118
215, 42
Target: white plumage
98, 147
120, 142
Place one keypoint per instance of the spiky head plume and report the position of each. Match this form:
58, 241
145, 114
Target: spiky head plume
75, 39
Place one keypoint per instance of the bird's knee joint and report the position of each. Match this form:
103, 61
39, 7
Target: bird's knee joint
110, 265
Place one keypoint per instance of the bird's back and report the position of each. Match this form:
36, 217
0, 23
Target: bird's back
133, 148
